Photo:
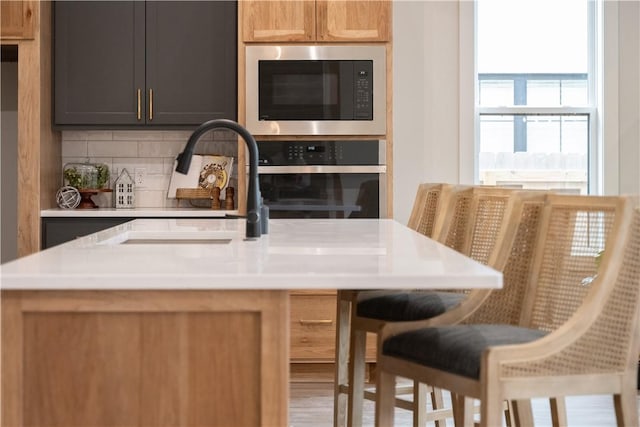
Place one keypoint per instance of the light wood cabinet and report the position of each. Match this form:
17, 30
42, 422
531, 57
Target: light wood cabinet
289, 21
27, 25
144, 358
313, 328
17, 20
313, 335
353, 20
319, 20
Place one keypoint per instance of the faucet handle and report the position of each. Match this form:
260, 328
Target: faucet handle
264, 217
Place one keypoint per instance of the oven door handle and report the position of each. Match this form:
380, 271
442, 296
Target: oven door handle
266, 170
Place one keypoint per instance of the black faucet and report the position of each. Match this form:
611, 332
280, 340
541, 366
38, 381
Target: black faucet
256, 223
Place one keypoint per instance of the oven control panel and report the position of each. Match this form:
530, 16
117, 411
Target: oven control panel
285, 153
313, 153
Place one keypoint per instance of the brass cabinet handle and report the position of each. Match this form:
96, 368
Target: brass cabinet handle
316, 322
139, 105
150, 104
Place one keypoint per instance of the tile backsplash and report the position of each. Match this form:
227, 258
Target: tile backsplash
152, 152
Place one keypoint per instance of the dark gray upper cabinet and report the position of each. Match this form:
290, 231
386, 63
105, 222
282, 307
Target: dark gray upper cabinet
129, 64
99, 60
191, 61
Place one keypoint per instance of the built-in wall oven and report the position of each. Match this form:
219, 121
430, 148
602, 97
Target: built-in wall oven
323, 179
316, 90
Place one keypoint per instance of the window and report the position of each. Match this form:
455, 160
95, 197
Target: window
535, 94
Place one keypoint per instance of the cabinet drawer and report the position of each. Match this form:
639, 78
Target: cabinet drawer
313, 327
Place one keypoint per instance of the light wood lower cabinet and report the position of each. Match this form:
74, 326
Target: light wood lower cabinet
313, 336
144, 358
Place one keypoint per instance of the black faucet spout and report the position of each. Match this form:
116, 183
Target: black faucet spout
254, 208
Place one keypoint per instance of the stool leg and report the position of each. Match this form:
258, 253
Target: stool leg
419, 404
522, 412
356, 377
463, 410
385, 399
626, 407
558, 412
437, 402
343, 319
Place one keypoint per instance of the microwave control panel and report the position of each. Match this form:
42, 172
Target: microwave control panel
363, 84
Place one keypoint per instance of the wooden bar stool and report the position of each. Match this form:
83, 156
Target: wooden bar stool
573, 330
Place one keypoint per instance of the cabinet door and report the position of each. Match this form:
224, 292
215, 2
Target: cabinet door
191, 56
99, 63
286, 21
60, 230
17, 19
364, 20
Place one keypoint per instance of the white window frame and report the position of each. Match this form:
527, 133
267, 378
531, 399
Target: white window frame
603, 67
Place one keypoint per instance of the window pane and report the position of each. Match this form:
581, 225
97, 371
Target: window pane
553, 152
496, 133
575, 134
538, 90
574, 92
543, 134
532, 36
533, 55
543, 92
496, 93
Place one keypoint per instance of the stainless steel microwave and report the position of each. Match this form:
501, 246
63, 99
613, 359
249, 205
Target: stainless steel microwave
316, 90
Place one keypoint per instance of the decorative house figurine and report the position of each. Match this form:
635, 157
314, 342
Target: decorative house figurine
124, 191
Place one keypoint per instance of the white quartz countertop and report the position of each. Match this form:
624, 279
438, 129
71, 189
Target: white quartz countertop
296, 254
136, 213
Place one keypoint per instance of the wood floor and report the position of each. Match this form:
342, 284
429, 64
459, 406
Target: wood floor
312, 405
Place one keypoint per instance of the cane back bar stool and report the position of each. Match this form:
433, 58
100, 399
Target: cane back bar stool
577, 330
470, 224
429, 203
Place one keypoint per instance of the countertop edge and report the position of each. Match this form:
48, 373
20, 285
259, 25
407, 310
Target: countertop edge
135, 213
248, 282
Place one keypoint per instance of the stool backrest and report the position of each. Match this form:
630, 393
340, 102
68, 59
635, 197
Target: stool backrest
427, 205
586, 289
514, 258
567, 259
472, 219
451, 224
514, 242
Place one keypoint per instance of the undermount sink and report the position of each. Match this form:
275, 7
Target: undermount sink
173, 238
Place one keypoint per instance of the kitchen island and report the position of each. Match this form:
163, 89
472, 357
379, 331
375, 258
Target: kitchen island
184, 321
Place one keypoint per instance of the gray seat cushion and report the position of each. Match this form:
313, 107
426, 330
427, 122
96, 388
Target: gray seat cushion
408, 306
456, 349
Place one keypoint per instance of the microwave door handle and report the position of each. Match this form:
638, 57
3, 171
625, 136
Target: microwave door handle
317, 169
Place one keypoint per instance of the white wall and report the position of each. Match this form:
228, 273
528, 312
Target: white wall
427, 110
425, 100
629, 97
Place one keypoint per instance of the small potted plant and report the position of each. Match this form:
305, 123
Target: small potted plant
88, 178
